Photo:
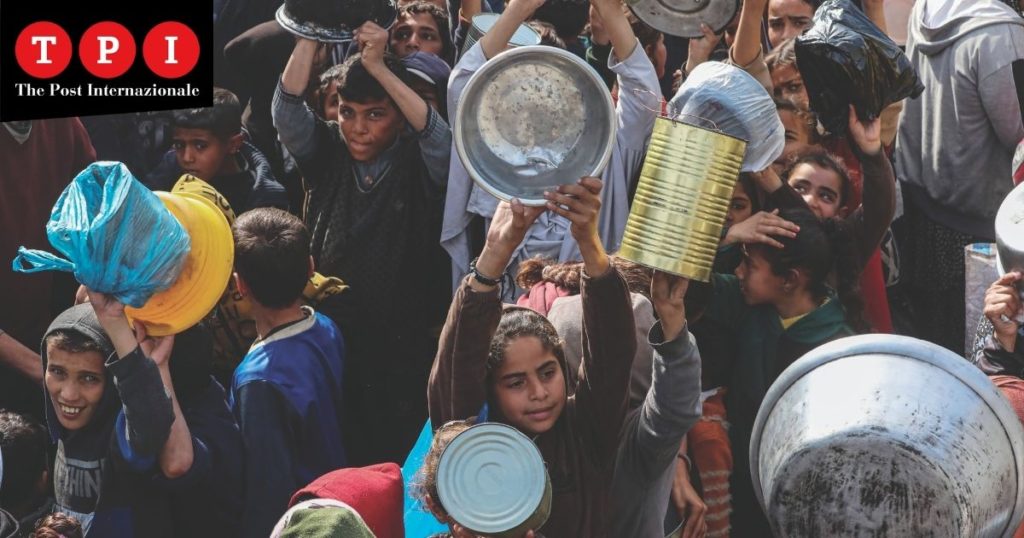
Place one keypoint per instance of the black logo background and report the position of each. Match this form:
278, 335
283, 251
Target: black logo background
75, 18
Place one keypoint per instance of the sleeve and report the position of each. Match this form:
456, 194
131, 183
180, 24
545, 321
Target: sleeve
786, 197
672, 404
436, 147
726, 304
237, 57
269, 482
1001, 94
609, 345
597, 57
639, 98
878, 205
301, 132
457, 388
146, 409
757, 68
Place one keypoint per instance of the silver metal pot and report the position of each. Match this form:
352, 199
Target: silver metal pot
684, 17
882, 435
1010, 232
533, 118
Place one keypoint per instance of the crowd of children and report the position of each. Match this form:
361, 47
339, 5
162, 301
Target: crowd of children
377, 288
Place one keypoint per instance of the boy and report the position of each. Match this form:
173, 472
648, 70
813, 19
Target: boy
209, 144
374, 215
23, 471
286, 393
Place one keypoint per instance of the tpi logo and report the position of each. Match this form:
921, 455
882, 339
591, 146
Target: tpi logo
107, 50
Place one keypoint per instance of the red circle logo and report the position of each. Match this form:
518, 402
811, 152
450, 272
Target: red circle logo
107, 49
171, 49
43, 49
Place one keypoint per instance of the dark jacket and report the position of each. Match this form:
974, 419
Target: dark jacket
254, 186
102, 471
581, 447
287, 398
8, 525
763, 350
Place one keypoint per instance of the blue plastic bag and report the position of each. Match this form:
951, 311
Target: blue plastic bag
117, 236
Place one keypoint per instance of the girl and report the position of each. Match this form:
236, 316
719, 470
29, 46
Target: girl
777, 307
512, 361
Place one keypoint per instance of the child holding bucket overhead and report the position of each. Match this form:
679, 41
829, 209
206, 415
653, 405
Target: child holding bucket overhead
512, 362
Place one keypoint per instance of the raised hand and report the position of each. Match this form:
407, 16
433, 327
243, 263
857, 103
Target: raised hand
867, 136
759, 228
701, 48
667, 293
581, 204
156, 348
1002, 305
510, 223
373, 43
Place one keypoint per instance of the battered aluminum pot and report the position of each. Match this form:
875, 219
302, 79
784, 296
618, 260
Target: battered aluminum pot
883, 435
492, 480
531, 119
684, 17
1010, 232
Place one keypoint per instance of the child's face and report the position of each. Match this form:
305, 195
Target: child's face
789, 86
369, 128
658, 55
820, 188
75, 383
529, 386
416, 31
798, 138
739, 206
200, 152
757, 281
787, 18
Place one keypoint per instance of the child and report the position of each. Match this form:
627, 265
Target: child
286, 393
57, 525
513, 362
429, 79
24, 471
113, 420
209, 143
826, 188
778, 306
374, 206
801, 132
422, 26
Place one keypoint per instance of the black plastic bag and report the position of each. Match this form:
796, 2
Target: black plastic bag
844, 58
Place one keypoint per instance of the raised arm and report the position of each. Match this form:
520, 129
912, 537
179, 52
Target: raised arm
495, 41
295, 122
373, 41
20, 358
457, 387
609, 341
878, 204
144, 427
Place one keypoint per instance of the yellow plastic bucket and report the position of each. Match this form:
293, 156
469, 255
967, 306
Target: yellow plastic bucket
206, 272
682, 198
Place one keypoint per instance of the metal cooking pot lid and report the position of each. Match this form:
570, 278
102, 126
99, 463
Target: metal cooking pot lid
1010, 232
324, 34
684, 17
491, 478
533, 118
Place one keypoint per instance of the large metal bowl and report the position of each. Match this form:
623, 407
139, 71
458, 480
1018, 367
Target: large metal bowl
882, 435
1010, 232
684, 17
533, 118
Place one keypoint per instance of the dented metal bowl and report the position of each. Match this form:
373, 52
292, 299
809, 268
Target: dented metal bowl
533, 118
887, 436
684, 17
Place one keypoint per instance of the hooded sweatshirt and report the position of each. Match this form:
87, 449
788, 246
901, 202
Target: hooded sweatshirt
8, 525
956, 141
100, 475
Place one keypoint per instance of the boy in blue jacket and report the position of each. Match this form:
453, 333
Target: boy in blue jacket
286, 393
